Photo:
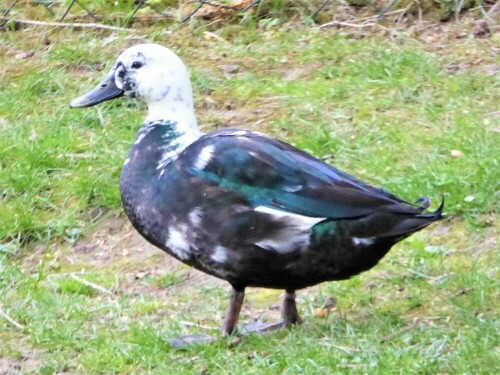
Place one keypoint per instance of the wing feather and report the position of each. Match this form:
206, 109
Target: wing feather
271, 173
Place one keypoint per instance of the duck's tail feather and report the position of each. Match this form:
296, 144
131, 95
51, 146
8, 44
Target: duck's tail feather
417, 222
436, 215
426, 202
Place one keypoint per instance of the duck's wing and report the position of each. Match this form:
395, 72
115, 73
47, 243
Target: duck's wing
273, 174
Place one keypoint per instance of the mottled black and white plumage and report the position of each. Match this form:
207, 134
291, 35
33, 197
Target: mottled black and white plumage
240, 205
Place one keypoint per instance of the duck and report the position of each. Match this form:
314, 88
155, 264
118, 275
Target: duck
240, 205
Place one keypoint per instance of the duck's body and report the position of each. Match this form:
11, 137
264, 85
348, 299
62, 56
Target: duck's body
242, 206
219, 205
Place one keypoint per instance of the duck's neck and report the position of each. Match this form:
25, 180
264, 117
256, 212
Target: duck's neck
180, 112
163, 135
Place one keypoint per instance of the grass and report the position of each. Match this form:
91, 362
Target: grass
390, 110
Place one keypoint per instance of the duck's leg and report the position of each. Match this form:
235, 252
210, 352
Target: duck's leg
289, 316
289, 312
228, 327
233, 311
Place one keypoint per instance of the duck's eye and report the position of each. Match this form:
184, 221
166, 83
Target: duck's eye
137, 65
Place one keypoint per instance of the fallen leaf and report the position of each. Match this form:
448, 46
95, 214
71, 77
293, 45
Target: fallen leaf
320, 312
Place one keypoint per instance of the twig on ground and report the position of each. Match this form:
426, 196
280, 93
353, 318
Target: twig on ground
92, 285
419, 274
441, 277
371, 18
362, 22
62, 24
346, 24
10, 320
388, 29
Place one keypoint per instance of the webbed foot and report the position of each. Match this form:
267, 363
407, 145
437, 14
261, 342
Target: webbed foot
188, 340
260, 327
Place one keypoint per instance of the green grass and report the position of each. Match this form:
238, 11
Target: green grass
387, 110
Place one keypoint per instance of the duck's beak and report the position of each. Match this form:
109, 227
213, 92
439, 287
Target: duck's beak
107, 90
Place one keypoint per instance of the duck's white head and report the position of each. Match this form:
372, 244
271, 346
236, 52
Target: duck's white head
154, 74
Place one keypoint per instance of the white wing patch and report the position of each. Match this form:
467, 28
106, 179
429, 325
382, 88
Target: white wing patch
363, 241
295, 234
204, 157
220, 254
195, 217
178, 242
